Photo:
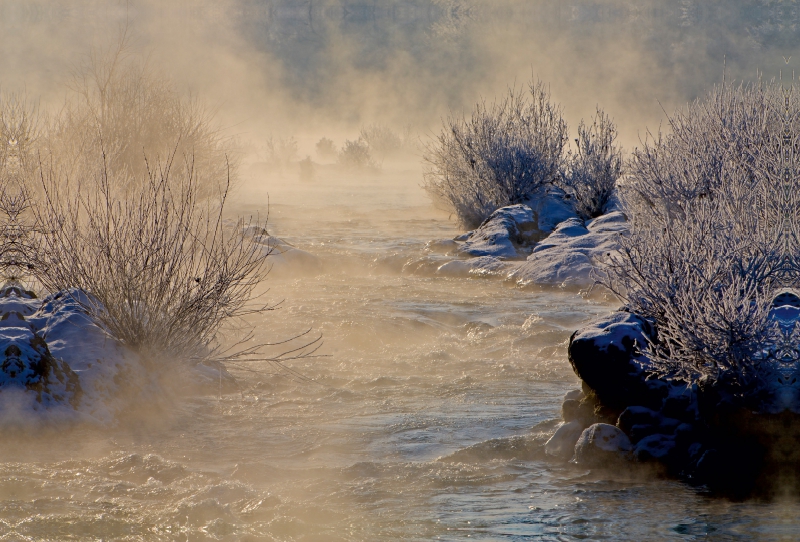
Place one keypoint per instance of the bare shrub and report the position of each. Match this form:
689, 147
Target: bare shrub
122, 108
281, 151
595, 166
356, 155
502, 155
381, 140
162, 273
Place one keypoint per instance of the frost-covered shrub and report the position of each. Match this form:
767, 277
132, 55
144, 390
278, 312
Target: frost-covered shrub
356, 155
594, 167
708, 247
163, 273
501, 155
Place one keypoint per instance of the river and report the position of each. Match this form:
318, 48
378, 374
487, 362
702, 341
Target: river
425, 420
424, 413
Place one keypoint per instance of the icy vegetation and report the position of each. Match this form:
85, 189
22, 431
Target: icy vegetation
699, 241
512, 150
701, 368
114, 211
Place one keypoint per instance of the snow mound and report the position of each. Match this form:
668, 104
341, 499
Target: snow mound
505, 234
57, 364
568, 255
551, 207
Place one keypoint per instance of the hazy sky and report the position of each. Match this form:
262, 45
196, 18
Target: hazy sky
325, 67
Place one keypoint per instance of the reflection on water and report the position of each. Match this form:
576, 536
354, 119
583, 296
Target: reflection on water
426, 420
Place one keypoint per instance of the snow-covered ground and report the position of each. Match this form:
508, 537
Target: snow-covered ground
539, 243
59, 365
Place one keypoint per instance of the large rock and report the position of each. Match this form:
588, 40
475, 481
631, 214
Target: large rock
607, 356
507, 233
600, 445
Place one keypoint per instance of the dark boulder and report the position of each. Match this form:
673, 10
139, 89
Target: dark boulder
607, 356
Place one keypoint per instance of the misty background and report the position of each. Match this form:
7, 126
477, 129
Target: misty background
318, 68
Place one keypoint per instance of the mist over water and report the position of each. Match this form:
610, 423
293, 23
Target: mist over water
433, 396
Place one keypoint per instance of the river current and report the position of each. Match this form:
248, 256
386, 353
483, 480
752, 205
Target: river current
425, 420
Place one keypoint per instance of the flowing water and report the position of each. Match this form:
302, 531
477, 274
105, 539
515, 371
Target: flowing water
425, 419
427, 409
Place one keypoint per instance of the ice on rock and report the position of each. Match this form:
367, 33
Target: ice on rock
601, 444
562, 443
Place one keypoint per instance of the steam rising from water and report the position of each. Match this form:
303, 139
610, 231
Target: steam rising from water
327, 67
428, 417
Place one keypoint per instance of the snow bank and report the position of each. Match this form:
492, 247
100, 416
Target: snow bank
557, 247
568, 255
57, 364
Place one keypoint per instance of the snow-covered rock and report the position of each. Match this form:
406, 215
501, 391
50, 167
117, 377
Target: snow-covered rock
283, 256
511, 232
654, 447
569, 254
601, 444
606, 355
562, 443
551, 207
507, 233
57, 364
